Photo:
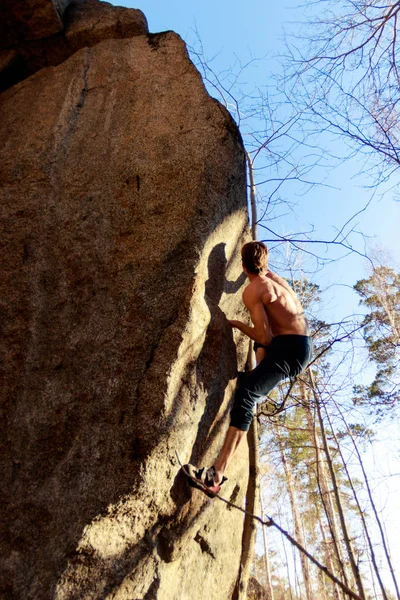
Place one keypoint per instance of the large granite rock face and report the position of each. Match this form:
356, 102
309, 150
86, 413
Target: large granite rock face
123, 211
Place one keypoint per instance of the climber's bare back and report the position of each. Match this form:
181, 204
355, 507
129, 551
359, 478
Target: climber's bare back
283, 309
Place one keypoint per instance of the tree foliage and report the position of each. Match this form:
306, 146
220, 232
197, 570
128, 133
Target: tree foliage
315, 456
380, 294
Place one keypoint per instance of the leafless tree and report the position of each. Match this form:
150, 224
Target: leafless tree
283, 160
344, 76
374, 509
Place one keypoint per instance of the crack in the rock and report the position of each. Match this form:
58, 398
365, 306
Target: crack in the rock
95, 25
154, 347
234, 495
84, 89
71, 128
204, 545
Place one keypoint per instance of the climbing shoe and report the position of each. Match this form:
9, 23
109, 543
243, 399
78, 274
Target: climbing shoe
203, 479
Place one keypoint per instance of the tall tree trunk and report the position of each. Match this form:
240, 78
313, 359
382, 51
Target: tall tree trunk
253, 206
330, 562
297, 520
371, 499
252, 506
335, 561
350, 553
269, 588
253, 486
287, 567
355, 496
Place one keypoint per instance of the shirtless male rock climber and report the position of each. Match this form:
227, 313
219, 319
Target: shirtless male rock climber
283, 349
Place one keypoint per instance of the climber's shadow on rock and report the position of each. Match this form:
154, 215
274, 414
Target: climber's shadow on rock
217, 362
215, 367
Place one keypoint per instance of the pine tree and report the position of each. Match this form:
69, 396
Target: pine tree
380, 294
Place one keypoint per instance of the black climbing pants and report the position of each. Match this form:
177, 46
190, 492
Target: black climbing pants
287, 356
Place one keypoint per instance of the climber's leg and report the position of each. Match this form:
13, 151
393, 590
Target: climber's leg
251, 388
286, 356
232, 441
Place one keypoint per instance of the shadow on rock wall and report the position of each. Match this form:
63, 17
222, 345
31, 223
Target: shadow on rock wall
168, 537
216, 365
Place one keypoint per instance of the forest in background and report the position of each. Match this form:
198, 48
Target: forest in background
313, 438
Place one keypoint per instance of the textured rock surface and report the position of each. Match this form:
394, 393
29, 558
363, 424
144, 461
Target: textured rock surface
256, 591
123, 210
86, 23
7, 57
29, 20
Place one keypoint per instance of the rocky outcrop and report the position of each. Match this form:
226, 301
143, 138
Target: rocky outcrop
85, 24
123, 210
23, 20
